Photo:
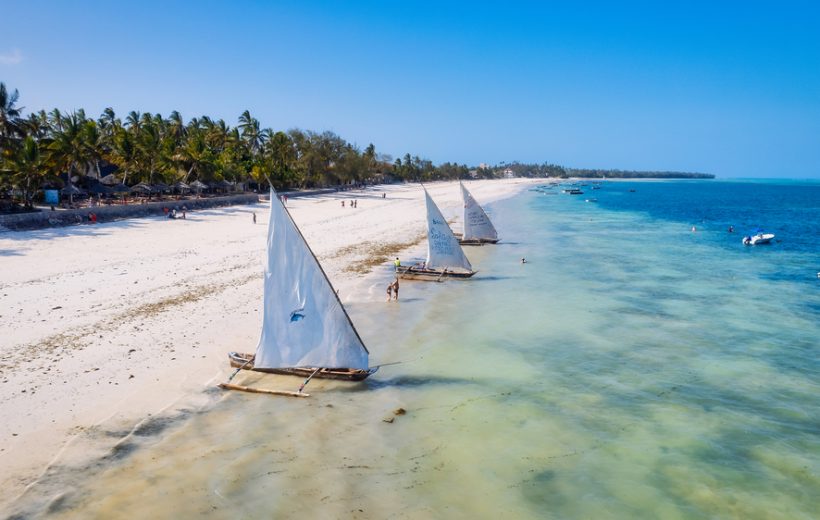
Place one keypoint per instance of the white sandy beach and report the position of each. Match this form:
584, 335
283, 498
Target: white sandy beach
103, 327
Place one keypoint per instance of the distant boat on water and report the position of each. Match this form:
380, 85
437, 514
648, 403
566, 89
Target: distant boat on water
759, 238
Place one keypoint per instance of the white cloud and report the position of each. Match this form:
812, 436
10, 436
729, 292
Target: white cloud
11, 58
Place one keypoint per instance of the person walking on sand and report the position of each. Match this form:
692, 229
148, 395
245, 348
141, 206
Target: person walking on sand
389, 292
396, 290
343, 203
254, 217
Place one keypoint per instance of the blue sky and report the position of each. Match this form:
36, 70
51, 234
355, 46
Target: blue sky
720, 87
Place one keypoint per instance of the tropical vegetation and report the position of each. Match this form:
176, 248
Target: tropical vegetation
49, 149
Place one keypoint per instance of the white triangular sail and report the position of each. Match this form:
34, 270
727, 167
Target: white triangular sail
477, 225
304, 323
443, 249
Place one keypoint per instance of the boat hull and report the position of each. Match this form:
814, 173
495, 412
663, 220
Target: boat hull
476, 241
759, 239
245, 362
415, 273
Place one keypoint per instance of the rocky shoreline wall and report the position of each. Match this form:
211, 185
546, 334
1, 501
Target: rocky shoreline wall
71, 217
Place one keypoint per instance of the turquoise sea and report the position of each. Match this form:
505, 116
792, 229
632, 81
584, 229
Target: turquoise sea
632, 368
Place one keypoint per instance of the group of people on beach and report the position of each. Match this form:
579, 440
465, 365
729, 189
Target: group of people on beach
353, 203
173, 213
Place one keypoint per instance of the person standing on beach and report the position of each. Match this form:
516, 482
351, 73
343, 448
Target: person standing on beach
397, 263
396, 290
343, 203
254, 217
389, 292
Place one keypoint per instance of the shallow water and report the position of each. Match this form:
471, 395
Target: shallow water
630, 369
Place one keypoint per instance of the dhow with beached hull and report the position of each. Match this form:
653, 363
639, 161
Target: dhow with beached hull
306, 331
445, 258
478, 229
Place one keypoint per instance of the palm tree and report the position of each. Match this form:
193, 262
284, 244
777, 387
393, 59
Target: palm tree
26, 166
37, 126
93, 142
176, 126
150, 147
9, 114
124, 153
68, 150
252, 136
279, 164
194, 154
132, 121
55, 120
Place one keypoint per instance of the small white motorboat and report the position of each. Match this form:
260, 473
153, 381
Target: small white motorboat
758, 239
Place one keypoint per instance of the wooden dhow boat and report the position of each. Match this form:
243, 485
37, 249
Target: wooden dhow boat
445, 258
306, 330
478, 229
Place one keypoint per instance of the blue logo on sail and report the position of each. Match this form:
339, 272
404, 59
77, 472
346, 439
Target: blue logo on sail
297, 314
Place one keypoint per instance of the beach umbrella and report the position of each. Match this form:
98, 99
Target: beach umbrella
141, 188
181, 186
100, 189
160, 187
120, 188
110, 180
71, 190
199, 185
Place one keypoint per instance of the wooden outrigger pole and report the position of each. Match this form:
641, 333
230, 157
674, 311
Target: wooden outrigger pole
230, 386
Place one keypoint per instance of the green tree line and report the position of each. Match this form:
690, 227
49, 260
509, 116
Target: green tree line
554, 170
36, 149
